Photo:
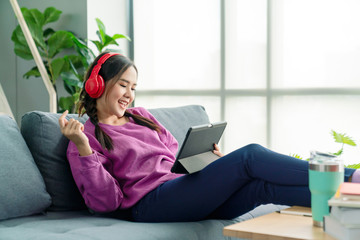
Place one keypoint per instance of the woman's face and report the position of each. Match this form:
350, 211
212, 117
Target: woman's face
117, 97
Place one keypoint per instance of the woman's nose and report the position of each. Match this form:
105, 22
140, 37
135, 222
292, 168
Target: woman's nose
128, 92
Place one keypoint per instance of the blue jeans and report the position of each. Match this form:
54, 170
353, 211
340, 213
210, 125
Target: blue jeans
229, 187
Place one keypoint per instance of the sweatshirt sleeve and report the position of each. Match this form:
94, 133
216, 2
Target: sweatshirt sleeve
165, 136
98, 187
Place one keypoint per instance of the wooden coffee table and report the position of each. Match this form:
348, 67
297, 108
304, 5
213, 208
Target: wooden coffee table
275, 226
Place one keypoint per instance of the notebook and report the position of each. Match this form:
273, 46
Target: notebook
196, 150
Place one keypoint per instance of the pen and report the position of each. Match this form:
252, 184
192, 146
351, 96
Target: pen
305, 214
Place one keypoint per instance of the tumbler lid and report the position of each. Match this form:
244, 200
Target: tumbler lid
325, 162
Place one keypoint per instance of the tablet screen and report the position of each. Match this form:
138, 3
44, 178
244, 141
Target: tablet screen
198, 140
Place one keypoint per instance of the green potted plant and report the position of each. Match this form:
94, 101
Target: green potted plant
50, 43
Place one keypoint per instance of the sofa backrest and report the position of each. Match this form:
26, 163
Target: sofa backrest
178, 120
48, 147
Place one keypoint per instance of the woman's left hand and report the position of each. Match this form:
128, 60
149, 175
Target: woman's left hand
216, 150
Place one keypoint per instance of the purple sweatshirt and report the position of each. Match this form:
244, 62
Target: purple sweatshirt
140, 162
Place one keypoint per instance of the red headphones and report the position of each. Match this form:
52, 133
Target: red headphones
95, 85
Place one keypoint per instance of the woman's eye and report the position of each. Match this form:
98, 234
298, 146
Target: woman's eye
122, 85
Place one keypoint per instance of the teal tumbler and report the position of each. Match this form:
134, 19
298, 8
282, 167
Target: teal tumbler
326, 172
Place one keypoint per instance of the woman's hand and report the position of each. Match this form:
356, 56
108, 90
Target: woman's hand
216, 150
73, 130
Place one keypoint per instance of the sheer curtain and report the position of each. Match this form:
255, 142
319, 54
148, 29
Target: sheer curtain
282, 73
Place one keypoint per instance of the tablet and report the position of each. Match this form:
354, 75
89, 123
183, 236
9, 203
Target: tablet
196, 150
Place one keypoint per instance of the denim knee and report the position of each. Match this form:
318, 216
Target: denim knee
253, 146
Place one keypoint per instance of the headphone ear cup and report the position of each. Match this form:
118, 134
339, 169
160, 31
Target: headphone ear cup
95, 85
101, 86
91, 86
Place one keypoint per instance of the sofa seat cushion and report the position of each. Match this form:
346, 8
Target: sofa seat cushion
22, 188
80, 225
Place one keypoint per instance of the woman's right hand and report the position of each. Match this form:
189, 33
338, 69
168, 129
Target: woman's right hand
73, 130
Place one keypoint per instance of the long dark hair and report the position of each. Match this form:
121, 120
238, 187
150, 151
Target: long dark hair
113, 68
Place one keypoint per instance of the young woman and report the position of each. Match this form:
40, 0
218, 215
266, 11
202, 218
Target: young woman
121, 160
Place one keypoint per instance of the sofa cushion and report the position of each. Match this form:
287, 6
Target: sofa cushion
42, 133
48, 146
80, 225
22, 187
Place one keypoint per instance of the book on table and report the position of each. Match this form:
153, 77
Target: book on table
344, 202
344, 219
349, 190
347, 195
346, 215
333, 227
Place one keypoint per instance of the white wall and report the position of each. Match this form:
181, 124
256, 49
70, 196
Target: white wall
114, 15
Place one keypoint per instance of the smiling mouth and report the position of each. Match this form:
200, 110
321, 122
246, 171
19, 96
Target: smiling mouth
123, 104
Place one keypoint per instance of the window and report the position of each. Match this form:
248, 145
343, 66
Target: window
282, 73
177, 52
314, 76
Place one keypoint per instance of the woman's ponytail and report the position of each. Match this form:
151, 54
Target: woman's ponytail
104, 139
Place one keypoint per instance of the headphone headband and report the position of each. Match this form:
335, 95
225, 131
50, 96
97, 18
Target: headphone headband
95, 85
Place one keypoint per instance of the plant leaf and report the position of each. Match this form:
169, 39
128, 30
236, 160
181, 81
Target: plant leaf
57, 66
101, 27
23, 51
76, 61
73, 69
34, 25
32, 72
109, 40
99, 36
70, 89
33, 15
37, 34
87, 55
21, 48
76, 97
58, 41
48, 32
355, 166
342, 138
117, 36
296, 156
21, 45
71, 79
98, 45
338, 153
51, 14
66, 103
18, 36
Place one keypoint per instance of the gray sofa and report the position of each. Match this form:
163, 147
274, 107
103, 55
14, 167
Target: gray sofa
39, 199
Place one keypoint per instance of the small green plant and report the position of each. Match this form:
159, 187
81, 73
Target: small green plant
339, 138
343, 139
296, 156
104, 39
